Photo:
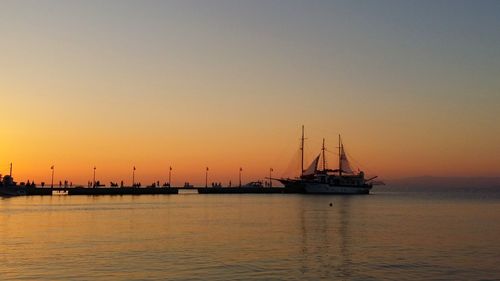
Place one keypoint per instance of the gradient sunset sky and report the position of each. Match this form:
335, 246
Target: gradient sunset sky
412, 86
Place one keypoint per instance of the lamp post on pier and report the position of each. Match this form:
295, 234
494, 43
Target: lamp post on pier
206, 178
270, 177
241, 169
93, 185
52, 180
133, 177
170, 176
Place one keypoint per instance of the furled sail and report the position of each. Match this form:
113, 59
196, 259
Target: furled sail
311, 170
344, 162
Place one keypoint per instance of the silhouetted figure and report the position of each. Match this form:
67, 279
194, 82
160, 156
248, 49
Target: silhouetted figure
42, 183
60, 184
121, 183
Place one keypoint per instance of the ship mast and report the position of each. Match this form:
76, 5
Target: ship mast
302, 152
10, 174
323, 151
340, 157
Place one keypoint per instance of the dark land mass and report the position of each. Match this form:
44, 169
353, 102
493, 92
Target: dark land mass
443, 183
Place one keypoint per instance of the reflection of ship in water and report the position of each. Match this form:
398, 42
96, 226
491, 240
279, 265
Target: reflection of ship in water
326, 241
344, 268
342, 180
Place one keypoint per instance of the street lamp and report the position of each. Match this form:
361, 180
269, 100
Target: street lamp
133, 177
52, 181
270, 177
241, 169
170, 176
206, 178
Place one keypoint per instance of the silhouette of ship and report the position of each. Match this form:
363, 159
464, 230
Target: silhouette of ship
342, 180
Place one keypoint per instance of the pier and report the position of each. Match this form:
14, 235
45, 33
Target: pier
240, 190
47, 191
117, 190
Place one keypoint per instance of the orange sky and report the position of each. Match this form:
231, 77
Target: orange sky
159, 84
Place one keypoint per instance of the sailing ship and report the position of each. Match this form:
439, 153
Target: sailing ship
342, 180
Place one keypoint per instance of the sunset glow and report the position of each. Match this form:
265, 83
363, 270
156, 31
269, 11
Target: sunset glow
227, 84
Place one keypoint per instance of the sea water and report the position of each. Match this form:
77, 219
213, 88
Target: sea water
389, 234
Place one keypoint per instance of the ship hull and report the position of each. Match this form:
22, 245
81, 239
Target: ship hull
317, 188
300, 186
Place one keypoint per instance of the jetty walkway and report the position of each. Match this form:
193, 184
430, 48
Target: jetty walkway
47, 191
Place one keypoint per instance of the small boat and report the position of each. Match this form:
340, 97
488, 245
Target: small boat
342, 180
8, 187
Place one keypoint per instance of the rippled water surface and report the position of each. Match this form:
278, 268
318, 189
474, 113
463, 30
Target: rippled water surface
386, 235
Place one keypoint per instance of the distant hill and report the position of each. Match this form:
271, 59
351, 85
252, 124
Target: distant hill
445, 182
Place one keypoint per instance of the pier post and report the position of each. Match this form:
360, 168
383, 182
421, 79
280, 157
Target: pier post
170, 176
206, 178
52, 180
133, 177
270, 177
241, 169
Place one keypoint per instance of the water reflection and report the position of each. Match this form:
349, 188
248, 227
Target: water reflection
344, 237
325, 239
247, 237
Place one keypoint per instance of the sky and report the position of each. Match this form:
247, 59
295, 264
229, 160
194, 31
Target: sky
413, 87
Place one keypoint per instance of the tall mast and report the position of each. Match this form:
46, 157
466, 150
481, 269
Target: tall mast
340, 157
302, 152
10, 174
323, 151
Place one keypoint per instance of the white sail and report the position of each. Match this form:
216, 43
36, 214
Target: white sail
313, 168
344, 162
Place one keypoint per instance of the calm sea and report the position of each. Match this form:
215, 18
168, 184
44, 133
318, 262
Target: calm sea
390, 234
